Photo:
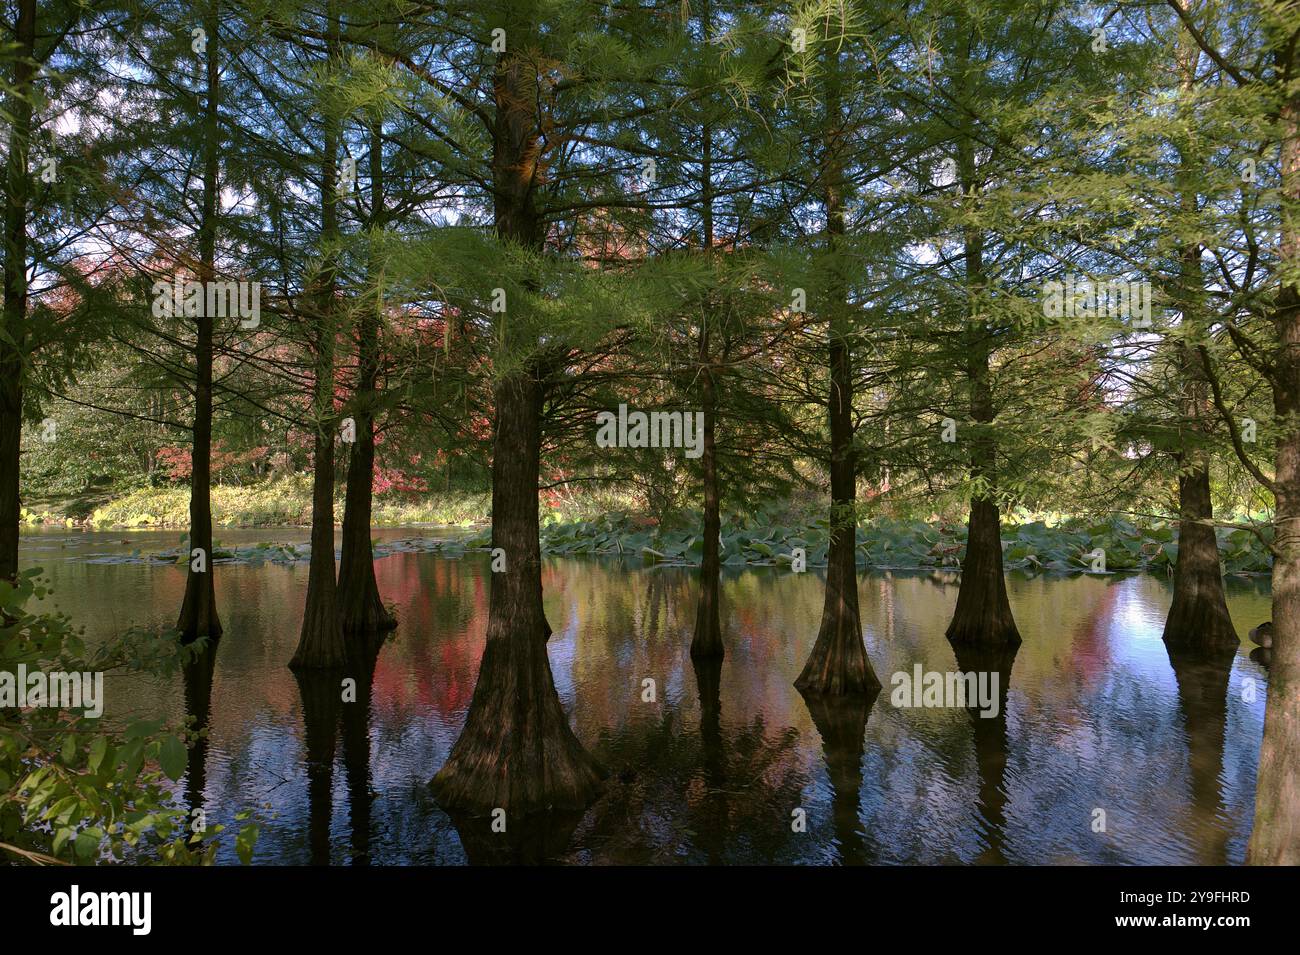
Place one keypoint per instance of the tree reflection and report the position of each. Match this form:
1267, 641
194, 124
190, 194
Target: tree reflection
197, 674
842, 724
1203, 679
991, 745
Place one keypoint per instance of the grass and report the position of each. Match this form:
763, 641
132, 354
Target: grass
277, 503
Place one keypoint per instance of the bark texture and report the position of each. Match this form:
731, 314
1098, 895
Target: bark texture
198, 616
360, 607
1198, 617
1275, 839
321, 644
13, 339
516, 751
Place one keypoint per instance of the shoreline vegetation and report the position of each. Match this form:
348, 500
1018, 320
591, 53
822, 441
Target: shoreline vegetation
1031, 542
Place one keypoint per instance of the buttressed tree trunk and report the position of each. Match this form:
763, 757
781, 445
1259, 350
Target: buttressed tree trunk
516, 751
360, 607
1198, 617
14, 337
320, 644
983, 613
838, 663
198, 617
1275, 839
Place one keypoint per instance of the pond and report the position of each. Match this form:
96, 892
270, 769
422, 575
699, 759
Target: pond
1103, 749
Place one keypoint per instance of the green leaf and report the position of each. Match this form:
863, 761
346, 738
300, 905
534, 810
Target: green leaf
171, 756
245, 842
98, 748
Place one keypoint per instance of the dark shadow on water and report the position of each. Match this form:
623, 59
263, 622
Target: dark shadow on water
842, 724
321, 692
535, 839
708, 681
717, 793
327, 699
197, 675
363, 653
991, 744
1203, 679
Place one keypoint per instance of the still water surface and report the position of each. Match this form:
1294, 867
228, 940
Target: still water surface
1096, 717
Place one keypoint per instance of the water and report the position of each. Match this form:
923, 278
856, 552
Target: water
1096, 717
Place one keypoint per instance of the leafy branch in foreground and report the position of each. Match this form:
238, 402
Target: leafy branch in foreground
73, 790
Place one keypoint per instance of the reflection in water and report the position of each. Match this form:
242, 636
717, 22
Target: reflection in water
842, 723
1202, 696
708, 682
363, 654
990, 734
713, 768
321, 692
532, 840
196, 674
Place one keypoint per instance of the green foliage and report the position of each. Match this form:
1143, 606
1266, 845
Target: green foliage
72, 790
886, 544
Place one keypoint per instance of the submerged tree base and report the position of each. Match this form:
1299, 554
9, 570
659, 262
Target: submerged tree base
367, 618
1200, 624
838, 664
707, 642
983, 614
198, 617
516, 752
321, 645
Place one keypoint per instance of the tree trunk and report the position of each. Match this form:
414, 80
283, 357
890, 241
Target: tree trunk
1198, 617
1275, 839
707, 642
320, 644
516, 751
838, 663
360, 606
983, 614
14, 330
198, 617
